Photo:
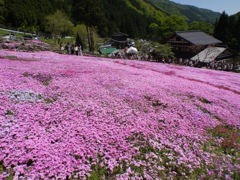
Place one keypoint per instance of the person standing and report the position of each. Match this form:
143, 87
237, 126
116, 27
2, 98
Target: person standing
62, 48
76, 49
80, 50
72, 49
68, 48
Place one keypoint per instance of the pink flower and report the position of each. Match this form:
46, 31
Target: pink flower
62, 114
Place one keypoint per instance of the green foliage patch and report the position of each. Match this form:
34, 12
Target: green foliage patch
11, 57
225, 144
8, 173
231, 138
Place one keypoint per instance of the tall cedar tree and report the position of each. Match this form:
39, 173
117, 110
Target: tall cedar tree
79, 41
227, 29
2, 7
90, 13
221, 28
237, 26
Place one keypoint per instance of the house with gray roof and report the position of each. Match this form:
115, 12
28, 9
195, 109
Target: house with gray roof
186, 44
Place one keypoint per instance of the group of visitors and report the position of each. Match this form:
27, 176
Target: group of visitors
73, 49
217, 65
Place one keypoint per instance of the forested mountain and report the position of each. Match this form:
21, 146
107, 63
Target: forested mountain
192, 13
32, 13
132, 17
150, 19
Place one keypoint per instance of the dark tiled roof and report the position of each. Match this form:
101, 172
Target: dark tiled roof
120, 37
198, 37
120, 34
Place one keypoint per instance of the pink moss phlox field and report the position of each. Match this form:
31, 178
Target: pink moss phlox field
25, 45
63, 115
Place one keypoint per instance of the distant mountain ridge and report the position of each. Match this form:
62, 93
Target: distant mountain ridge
192, 13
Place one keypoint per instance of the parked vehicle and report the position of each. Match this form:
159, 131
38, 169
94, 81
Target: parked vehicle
27, 37
8, 36
30, 37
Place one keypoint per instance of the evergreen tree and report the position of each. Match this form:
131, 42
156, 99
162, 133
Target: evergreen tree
92, 15
2, 7
232, 30
78, 40
153, 29
31, 13
237, 30
221, 28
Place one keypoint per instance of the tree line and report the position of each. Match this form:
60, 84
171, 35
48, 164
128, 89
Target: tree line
227, 29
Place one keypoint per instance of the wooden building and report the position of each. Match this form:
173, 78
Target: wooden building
118, 40
216, 54
187, 44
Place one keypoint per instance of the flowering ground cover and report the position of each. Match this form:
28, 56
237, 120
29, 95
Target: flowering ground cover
26, 45
76, 117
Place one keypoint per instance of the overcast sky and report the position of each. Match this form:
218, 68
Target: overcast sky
229, 6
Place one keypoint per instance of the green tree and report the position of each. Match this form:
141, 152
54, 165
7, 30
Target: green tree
221, 28
26, 28
78, 40
232, 39
162, 51
205, 27
81, 30
172, 24
153, 31
132, 17
237, 30
2, 7
91, 13
30, 11
58, 24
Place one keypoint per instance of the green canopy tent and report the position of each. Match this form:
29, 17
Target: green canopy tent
107, 50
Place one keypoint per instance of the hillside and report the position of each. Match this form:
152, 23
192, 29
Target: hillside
78, 117
192, 13
130, 16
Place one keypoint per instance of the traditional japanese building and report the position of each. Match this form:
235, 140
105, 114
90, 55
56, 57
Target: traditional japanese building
212, 53
187, 44
118, 41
